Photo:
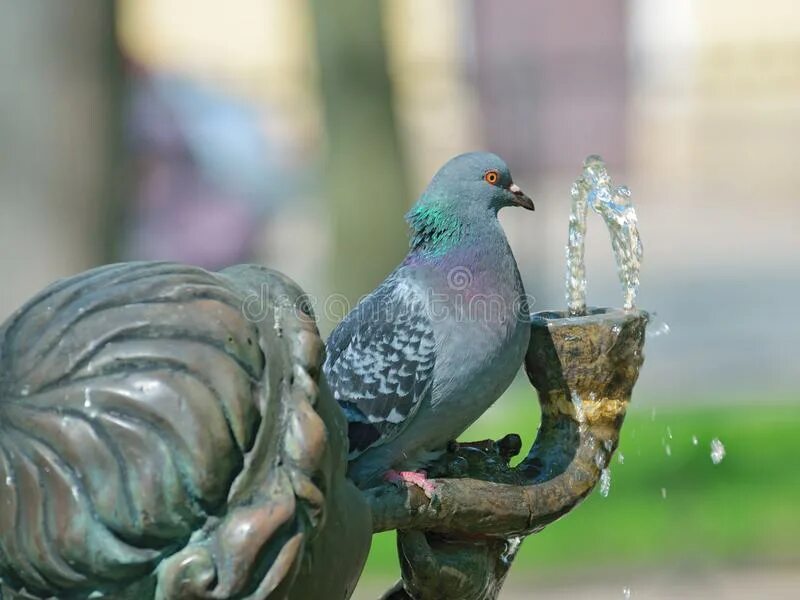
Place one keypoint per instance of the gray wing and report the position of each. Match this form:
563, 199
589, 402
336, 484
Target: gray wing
379, 364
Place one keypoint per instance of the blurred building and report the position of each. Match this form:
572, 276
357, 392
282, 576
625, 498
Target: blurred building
694, 104
224, 130
713, 120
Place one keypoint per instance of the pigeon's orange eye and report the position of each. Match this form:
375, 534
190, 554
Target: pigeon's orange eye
491, 177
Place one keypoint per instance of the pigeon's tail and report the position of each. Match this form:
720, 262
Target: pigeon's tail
360, 432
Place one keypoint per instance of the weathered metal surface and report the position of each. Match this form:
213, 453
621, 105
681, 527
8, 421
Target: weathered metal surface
162, 433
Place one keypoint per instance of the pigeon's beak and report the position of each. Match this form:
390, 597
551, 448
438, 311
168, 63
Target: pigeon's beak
520, 199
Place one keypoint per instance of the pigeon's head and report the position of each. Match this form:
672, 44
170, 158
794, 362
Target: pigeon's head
469, 189
477, 180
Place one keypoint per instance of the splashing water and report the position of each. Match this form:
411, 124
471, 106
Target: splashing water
657, 329
600, 461
511, 549
577, 403
605, 482
717, 451
594, 189
576, 267
626, 593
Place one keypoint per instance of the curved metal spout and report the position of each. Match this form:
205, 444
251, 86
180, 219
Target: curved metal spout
584, 369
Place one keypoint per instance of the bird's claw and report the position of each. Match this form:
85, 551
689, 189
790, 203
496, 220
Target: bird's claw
418, 479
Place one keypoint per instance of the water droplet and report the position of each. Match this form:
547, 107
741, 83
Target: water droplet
656, 329
653, 414
626, 592
667, 449
578, 404
694, 440
664, 493
717, 451
620, 458
87, 400
26, 389
605, 482
669, 433
600, 460
9, 481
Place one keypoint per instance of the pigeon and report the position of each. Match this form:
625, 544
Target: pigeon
420, 358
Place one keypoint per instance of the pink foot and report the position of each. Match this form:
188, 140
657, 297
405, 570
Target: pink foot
418, 479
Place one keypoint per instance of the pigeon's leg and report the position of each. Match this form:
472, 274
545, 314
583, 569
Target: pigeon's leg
417, 478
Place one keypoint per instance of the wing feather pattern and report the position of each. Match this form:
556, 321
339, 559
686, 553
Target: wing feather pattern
380, 364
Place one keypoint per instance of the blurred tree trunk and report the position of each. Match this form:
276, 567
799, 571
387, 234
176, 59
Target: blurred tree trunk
365, 178
58, 73
117, 184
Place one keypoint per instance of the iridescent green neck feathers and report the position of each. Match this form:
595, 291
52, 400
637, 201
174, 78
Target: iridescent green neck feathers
434, 229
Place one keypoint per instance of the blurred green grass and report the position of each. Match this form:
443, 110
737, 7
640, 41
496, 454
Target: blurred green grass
742, 510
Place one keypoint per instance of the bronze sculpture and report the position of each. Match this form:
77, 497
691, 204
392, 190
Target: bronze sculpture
156, 441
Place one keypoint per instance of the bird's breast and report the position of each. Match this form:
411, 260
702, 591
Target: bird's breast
482, 332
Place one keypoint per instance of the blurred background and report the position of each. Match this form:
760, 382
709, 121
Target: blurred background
296, 134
